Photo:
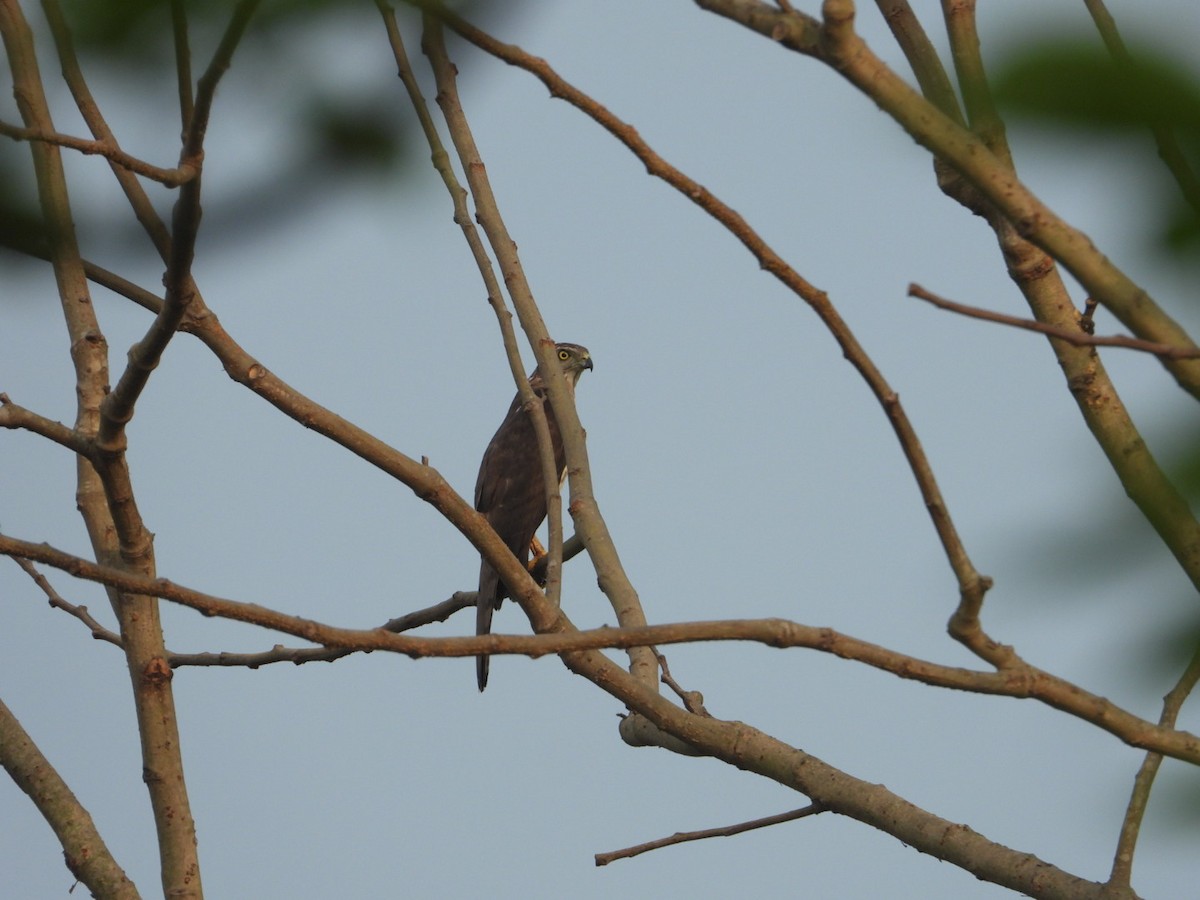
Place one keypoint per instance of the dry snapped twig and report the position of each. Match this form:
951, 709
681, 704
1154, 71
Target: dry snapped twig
682, 837
1079, 338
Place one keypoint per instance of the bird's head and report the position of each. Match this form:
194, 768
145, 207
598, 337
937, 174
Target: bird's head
573, 359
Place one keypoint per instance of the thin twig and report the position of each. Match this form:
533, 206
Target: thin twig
134, 191
14, 416
1078, 338
169, 177
144, 356
836, 44
680, 837
183, 62
99, 632
922, 56
1122, 869
982, 115
439, 612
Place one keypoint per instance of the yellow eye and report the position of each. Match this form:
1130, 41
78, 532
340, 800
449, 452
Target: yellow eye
564, 355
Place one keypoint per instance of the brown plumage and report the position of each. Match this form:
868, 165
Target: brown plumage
510, 490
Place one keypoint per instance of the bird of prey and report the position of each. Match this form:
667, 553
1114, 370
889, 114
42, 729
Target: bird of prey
510, 491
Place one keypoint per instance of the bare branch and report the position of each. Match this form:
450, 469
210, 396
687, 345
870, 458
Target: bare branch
462, 217
1131, 826
836, 44
145, 355
105, 496
1019, 681
1031, 237
682, 837
921, 55
183, 62
140, 203
99, 632
439, 612
982, 115
84, 850
1078, 338
14, 416
169, 177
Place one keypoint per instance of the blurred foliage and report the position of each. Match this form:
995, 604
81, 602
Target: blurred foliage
334, 121
1082, 85
1078, 86
133, 32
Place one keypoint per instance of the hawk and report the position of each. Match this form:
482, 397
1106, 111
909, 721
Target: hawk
510, 491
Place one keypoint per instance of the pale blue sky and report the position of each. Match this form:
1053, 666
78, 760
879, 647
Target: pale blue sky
742, 467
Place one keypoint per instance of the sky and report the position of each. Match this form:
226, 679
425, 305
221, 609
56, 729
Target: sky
741, 465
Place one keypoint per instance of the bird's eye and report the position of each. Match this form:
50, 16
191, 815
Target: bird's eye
564, 355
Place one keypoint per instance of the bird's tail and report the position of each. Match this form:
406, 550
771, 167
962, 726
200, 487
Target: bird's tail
485, 605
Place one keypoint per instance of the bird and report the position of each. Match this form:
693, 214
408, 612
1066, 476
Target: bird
510, 491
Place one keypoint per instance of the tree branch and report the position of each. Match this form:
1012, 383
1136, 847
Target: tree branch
143, 209
837, 45
682, 837
1023, 225
84, 850
99, 632
1025, 681
168, 177
104, 496
1131, 825
1077, 337
921, 55
14, 416
145, 355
